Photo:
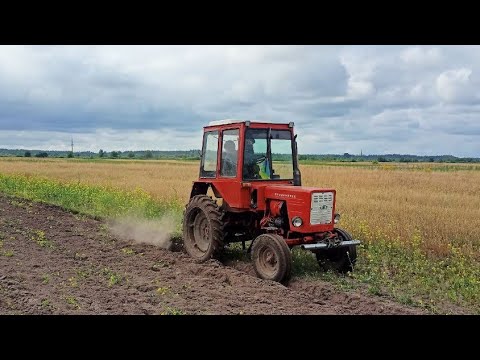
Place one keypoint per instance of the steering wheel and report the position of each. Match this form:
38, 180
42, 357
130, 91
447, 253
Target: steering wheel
260, 160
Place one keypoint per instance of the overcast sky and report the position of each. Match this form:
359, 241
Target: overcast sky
377, 99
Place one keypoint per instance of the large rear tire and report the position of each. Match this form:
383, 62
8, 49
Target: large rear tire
271, 257
338, 259
203, 228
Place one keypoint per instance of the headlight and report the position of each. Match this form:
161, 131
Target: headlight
336, 219
297, 222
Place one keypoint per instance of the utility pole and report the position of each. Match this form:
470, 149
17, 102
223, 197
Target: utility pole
72, 145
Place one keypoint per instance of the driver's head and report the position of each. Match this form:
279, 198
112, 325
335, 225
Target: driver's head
229, 146
249, 142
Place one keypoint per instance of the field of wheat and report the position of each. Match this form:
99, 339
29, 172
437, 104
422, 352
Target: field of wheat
436, 203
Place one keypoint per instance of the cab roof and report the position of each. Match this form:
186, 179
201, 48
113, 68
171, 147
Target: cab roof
236, 121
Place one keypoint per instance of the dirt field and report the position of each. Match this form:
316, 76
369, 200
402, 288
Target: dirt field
56, 262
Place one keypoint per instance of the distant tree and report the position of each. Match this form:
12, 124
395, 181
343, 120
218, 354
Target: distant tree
131, 155
382, 159
346, 155
431, 159
114, 154
27, 154
148, 154
101, 153
70, 155
41, 155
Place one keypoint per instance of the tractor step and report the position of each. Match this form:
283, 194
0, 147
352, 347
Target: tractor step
328, 246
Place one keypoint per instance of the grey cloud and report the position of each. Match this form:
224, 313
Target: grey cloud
346, 98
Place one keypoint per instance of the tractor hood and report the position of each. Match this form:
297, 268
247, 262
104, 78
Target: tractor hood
295, 193
315, 206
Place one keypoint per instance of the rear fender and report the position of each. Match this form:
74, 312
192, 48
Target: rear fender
199, 188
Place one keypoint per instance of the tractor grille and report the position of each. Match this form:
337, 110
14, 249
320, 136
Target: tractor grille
321, 209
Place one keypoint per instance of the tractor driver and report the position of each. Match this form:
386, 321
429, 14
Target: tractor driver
230, 159
250, 168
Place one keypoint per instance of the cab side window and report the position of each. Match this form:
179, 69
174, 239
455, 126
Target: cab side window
208, 166
229, 153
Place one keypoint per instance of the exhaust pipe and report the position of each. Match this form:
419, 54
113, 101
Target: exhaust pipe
297, 176
327, 246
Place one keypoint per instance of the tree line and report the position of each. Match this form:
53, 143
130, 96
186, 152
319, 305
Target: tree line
195, 155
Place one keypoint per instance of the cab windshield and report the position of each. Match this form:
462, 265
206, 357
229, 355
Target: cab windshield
268, 157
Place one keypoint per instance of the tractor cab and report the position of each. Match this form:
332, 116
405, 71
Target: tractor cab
240, 156
247, 150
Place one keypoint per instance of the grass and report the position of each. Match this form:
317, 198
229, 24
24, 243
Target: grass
413, 277
83, 273
45, 303
111, 276
409, 275
72, 281
39, 237
128, 251
393, 199
163, 290
419, 223
172, 311
7, 253
71, 300
101, 201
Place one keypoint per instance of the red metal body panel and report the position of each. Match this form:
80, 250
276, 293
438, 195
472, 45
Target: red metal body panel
298, 199
276, 207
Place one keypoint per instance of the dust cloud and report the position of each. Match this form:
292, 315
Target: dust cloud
156, 232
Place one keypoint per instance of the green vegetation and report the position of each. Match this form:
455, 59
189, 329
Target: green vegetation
172, 311
194, 154
71, 300
93, 200
163, 290
407, 274
112, 277
39, 237
128, 251
72, 281
83, 274
42, 154
139, 154
423, 167
8, 253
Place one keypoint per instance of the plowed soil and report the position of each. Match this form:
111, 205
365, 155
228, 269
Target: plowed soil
56, 262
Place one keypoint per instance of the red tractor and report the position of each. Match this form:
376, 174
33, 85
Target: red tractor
252, 170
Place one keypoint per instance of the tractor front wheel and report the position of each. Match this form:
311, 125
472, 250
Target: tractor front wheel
271, 257
202, 228
338, 259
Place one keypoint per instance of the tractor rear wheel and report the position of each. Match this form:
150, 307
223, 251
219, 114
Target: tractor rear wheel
272, 259
202, 228
338, 259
